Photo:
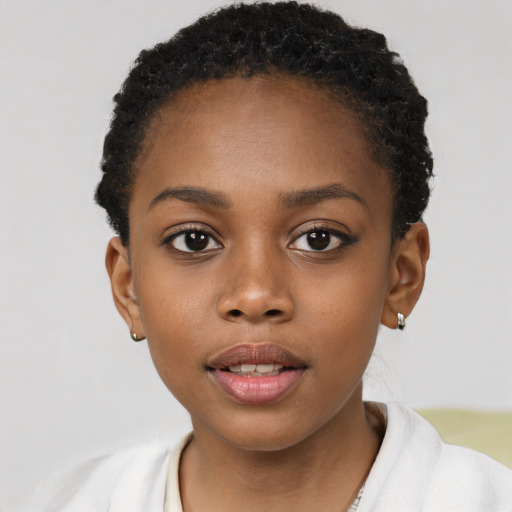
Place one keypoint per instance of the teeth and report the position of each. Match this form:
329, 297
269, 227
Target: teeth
265, 368
252, 369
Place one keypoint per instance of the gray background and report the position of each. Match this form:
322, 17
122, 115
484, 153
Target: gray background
72, 384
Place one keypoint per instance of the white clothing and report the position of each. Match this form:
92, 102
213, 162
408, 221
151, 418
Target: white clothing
414, 471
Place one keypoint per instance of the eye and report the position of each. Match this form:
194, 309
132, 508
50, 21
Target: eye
192, 240
321, 240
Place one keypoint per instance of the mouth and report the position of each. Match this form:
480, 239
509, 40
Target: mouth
256, 373
258, 358
257, 370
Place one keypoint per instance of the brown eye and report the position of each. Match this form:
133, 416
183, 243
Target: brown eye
322, 240
193, 241
318, 240
196, 241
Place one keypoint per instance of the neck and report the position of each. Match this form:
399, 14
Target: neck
322, 472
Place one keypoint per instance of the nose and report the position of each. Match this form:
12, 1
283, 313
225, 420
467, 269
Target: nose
256, 290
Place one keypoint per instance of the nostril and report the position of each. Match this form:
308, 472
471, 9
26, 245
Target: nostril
270, 313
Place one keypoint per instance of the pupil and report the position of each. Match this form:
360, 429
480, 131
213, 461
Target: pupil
196, 241
319, 240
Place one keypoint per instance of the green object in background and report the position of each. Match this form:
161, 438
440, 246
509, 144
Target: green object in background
487, 432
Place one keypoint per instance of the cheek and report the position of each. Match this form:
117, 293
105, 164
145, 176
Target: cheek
344, 310
347, 296
174, 309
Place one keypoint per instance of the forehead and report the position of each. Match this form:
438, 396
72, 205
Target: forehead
268, 132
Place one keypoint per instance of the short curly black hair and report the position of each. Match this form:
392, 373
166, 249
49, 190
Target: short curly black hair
283, 38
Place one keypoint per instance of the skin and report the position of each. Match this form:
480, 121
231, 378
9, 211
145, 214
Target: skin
257, 142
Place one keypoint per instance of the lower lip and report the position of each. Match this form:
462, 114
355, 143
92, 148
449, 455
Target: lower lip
257, 390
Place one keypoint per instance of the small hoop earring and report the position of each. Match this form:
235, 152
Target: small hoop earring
135, 337
400, 321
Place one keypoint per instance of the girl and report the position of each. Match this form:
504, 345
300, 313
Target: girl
266, 171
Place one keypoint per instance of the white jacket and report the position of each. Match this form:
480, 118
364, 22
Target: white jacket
414, 471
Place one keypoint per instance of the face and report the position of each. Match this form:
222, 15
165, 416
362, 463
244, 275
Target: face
260, 261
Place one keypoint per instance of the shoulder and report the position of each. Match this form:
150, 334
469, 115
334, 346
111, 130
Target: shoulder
465, 477
416, 470
129, 480
460, 479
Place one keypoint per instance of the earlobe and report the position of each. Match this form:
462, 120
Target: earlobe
407, 274
117, 262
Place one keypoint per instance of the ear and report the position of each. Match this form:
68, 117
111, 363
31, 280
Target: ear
407, 273
117, 261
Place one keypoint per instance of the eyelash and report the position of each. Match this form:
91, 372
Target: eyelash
344, 240
187, 230
343, 237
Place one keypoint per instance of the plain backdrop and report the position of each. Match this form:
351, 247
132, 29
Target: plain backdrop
73, 385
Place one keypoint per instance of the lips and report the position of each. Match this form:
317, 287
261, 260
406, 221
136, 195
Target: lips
256, 373
260, 353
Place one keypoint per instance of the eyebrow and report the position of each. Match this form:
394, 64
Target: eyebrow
195, 195
306, 197
312, 196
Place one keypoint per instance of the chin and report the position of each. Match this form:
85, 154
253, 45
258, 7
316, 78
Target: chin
263, 432
265, 442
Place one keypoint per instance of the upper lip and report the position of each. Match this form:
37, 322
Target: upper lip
256, 353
